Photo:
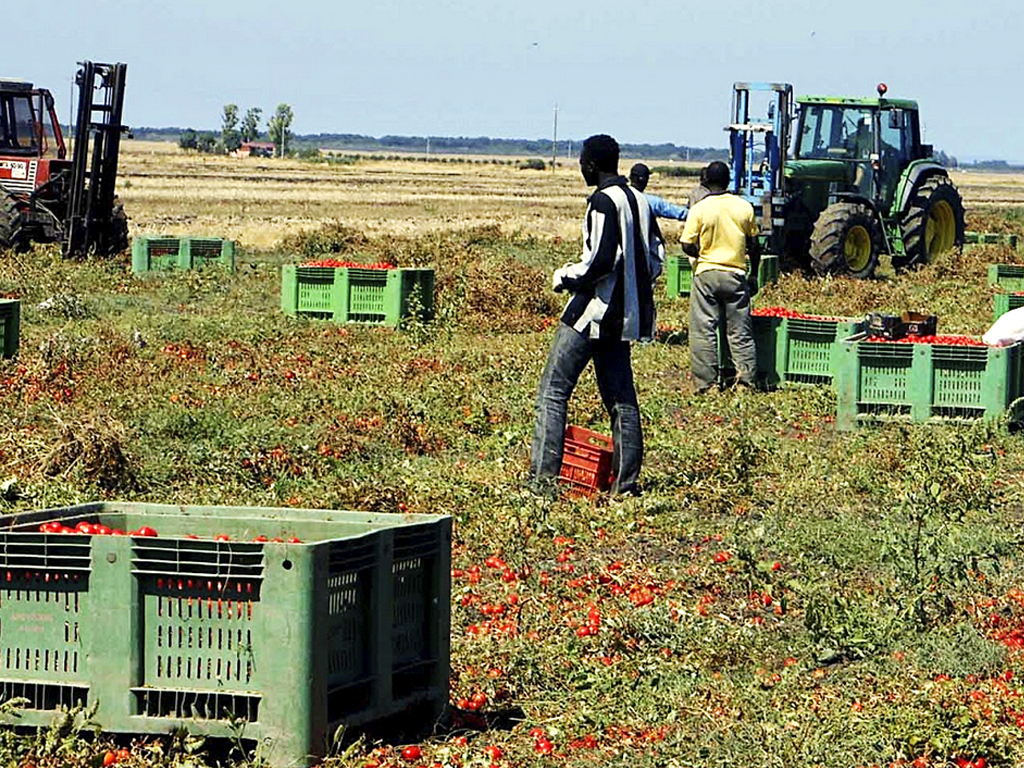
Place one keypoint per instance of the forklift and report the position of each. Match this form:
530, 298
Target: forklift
45, 196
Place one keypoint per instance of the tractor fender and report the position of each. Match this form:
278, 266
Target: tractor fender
915, 173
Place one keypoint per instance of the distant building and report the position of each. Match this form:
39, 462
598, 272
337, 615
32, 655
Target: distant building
255, 149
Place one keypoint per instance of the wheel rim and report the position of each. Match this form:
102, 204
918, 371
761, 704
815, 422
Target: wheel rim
940, 231
857, 248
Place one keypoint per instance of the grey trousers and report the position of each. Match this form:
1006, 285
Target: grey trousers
718, 297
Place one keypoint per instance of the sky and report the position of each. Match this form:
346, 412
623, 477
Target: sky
645, 72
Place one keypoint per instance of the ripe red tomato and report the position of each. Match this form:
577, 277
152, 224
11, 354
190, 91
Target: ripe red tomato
294, 540
493, 751
109, 758
222, 537
261, 538
144, 531
84, 527
412, 753
123, 753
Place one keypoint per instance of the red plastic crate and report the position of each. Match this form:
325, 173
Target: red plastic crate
586, 461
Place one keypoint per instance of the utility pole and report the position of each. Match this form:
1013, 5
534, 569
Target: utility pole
428, 147
554, 141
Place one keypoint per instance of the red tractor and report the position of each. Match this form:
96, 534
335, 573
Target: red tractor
44, 195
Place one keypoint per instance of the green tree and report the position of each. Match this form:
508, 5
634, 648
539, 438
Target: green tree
230, 138
188, 139
251, 124
278, 127
206, 142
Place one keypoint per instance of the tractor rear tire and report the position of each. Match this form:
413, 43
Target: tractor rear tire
12, 236
933, 224
847, 240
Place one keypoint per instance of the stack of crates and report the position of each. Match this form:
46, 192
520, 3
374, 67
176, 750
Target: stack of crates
586, 461
1008, 279
10, 326
154, 254
679, 274
352, 294
893, 381
289, 639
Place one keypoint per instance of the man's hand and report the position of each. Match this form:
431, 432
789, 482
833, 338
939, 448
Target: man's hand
556, 279
752, 284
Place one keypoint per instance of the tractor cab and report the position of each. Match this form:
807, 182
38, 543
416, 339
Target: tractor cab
861, 146
28, 122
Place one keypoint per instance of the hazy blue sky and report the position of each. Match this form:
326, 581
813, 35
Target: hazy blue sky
643, 71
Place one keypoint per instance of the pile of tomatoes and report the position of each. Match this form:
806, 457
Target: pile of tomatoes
98, 529
791, 313
349, 264
93, 529
949, 341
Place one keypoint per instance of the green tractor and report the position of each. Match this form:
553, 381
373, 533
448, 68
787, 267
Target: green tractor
856, 183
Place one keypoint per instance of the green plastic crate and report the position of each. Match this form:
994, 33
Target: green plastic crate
797, 350
679, 274
991, 238
154, 254
10, 326
1008, 277
892, 381
351, 294
1004, 302
290, 641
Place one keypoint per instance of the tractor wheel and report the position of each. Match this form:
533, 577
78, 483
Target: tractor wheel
933, 223
12, 236
846, 240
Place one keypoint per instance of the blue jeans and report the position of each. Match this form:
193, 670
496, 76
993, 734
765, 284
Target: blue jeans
569, 355
717, 297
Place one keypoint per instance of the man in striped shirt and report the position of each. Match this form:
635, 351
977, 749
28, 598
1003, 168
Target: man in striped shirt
612, 304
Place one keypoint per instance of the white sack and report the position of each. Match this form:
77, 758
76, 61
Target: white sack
1007, 330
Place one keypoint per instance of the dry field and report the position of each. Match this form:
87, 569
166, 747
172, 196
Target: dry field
260, 201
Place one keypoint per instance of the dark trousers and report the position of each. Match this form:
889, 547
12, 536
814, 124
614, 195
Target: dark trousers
569, 355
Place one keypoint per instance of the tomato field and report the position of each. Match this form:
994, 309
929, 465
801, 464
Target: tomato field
782, 594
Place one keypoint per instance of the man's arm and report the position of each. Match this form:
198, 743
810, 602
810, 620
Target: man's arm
754, 254
690, 239
663, 209
600, 245
656, 247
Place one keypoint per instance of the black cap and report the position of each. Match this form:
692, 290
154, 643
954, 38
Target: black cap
640, 171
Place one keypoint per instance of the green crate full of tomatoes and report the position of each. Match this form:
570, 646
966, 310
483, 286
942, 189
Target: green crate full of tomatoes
285, 623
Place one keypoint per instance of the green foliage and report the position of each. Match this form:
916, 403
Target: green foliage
279, 128
251, 124
929, 536
230, 137
532, 164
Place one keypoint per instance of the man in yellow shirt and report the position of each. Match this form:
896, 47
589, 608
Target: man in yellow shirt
720, 238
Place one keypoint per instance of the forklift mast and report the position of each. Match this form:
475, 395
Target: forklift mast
97, 137
758, 145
